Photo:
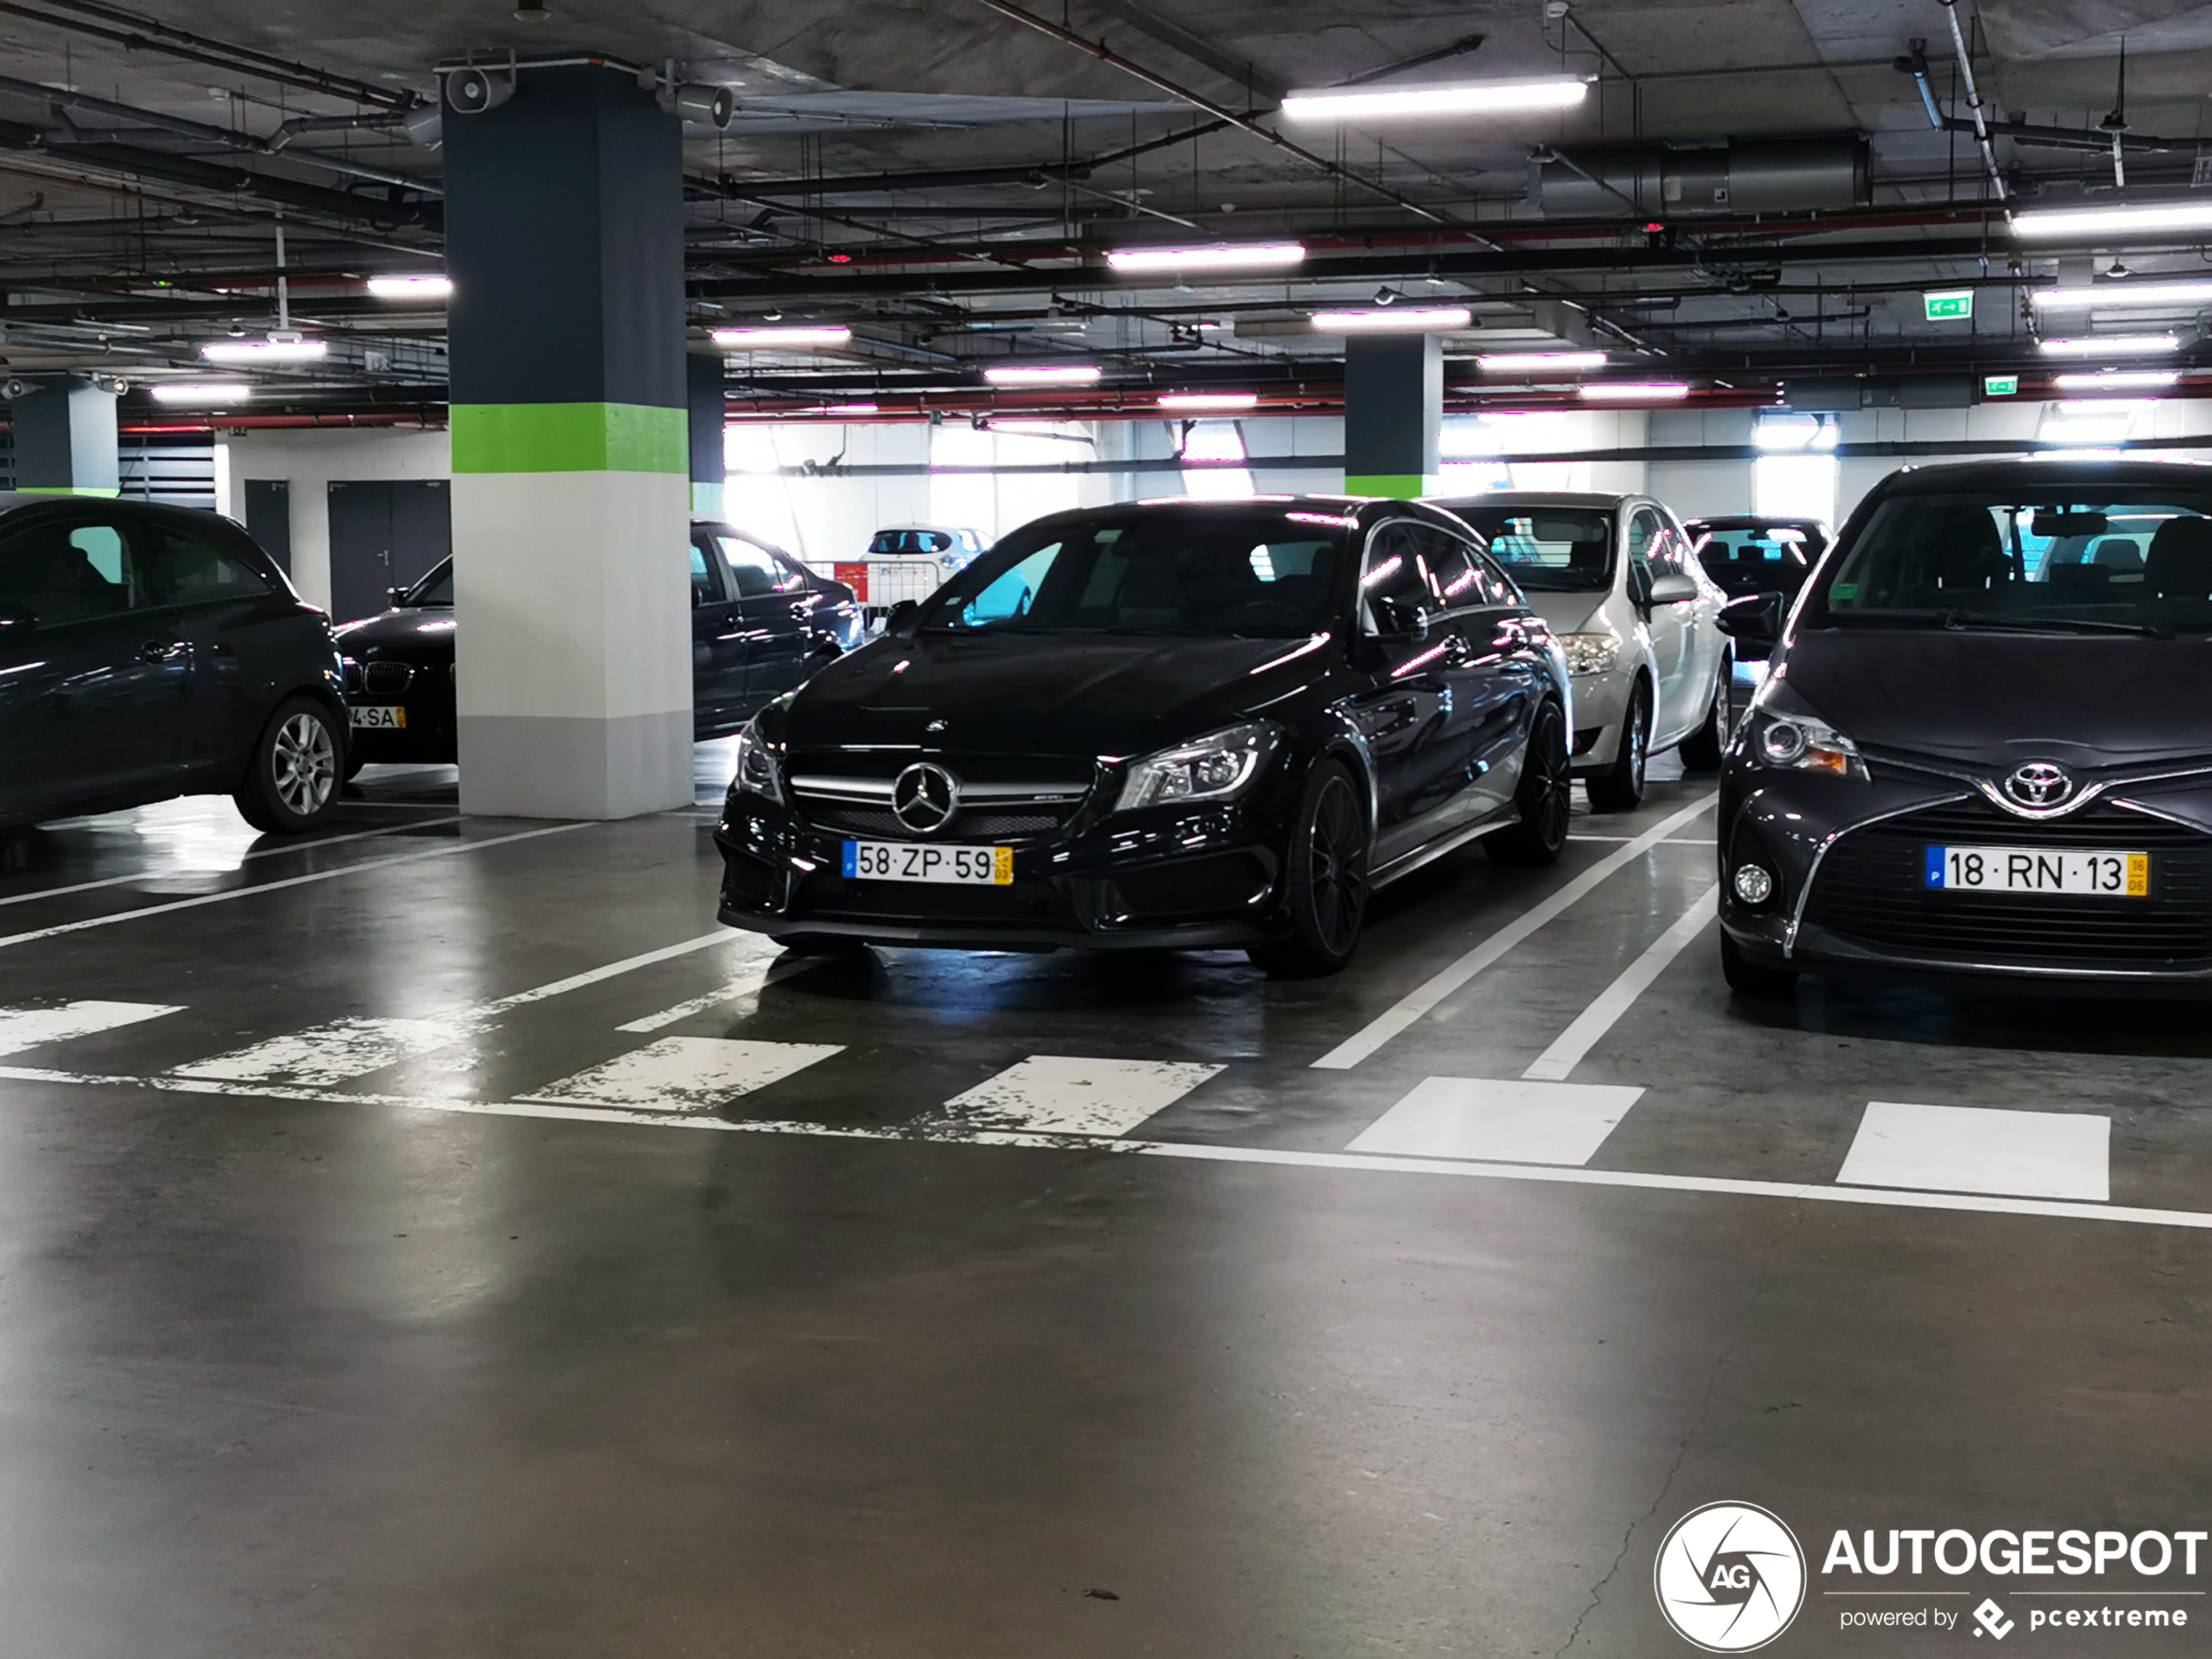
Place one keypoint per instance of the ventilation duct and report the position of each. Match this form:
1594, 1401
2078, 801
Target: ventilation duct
1666, 181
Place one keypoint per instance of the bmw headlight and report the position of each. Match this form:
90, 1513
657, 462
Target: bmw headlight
756, 769
1218, 767
1588, 654
1779, 735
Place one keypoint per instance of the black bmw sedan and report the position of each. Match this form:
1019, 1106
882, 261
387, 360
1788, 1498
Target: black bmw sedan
148, 651
1985, 747
761, 622
1171, 725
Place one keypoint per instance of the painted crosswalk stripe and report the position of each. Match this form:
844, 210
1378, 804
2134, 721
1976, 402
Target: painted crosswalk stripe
1516, 1121
685, 1074
335, 1053
27, 1027
1981, 1148
1067, 1094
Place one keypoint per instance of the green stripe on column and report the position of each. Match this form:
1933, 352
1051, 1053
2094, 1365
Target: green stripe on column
1398, 486
569, 437
94, 491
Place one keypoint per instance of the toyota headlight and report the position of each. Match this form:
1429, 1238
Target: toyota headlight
756, 768
1788, 741
1218, 767
1590, 654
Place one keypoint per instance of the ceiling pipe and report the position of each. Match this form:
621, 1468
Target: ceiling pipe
1973, 99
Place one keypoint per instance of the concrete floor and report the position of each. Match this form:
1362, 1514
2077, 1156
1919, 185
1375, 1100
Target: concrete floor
383, 1275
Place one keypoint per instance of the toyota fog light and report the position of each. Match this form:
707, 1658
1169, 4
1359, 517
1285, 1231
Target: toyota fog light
1754, 883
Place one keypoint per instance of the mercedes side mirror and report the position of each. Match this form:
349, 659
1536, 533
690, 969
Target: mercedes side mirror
1756, 620
398, 595
904, 621
1672, 589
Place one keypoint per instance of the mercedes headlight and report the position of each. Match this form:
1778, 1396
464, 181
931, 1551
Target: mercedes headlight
1590, 654
756, 768
1218, 767
1778, 736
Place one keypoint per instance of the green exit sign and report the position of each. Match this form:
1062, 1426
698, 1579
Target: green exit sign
2000, 385
1950, 307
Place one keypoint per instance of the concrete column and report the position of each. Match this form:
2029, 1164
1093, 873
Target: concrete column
564, 240
707, 384
1393, 414
65, 443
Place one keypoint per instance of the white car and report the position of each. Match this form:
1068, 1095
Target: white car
1638, 618
908, 562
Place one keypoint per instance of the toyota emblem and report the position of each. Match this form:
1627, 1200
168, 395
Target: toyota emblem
2039, 785
925, 797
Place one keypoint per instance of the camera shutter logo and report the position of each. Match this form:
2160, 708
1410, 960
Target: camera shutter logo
924, 798
1730, 1577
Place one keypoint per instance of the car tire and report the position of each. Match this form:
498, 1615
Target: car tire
1619, 788
292, 782
1754, 980
1326, 863
1702, 749
1543, 796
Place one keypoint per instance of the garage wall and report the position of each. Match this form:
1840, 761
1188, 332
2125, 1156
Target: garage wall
309, 461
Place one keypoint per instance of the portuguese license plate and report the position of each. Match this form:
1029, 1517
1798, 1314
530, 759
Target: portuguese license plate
2039, 869
965, 867
388, 718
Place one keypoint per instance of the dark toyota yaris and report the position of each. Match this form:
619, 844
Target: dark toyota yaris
1985, 747
1169, 725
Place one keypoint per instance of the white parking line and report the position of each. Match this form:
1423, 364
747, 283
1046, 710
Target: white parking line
1065, 1094
685, 1074
1492, 1122
1615, 1000
255, 891
30, 1028
1981, 1149
952, 1133
1408, 1008
259, 852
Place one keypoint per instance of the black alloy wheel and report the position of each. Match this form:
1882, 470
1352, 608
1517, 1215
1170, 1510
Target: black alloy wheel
1702, 749
292, 782
1619, 788
1543, 796
1327, 886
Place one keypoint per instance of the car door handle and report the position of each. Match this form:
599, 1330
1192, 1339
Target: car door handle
156, 650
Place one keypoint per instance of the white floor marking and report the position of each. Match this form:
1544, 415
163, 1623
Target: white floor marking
1980, 1148
258, 888
26, 1027
1675, 840
1411, 1007
1616, 999
1064, 1094
628, 964
748, 980
1499, 1122
685, 1074
327, 1055
258, 853
950, 1133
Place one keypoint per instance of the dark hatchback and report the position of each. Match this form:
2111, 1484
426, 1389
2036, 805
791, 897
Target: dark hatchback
1983, 750
1167, 724
148, 651
761, 622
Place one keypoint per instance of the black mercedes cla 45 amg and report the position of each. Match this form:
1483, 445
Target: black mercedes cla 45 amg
1984, 748
1170, 724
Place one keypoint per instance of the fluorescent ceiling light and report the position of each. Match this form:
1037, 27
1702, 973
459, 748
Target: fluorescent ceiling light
2117, 380
201, 392
2088, 221
1479, 98
1208, 400
1393, 320
849, 408
1524, 362
410, 287
1055, 374
770, 339
265, 351
2084, 430
2118, 295
1635, 392
1259, 256
2112, 346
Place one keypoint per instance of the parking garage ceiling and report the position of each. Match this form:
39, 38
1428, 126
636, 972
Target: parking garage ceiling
1750, 192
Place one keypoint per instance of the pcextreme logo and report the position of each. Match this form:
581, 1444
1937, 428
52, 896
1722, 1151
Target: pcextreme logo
1730, 1577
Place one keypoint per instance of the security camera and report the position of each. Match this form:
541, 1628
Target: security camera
15, 386
471, 92
713, 106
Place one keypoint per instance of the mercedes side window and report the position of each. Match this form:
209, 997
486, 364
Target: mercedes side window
755, 572
191, 569
1395, 589
1453, 581
705, 590
1010, 596
59, 573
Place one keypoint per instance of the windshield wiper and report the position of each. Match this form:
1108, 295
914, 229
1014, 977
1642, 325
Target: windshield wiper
1960, 621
